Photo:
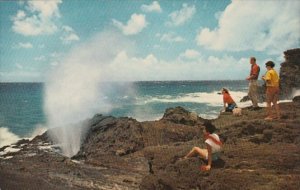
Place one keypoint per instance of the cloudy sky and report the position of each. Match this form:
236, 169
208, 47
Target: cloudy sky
151, 40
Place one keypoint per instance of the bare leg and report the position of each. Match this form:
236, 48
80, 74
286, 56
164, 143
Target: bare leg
277, 109
197, 150
269, 110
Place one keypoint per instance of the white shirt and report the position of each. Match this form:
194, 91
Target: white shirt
214, 147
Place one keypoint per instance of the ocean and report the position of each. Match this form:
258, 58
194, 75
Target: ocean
22, 104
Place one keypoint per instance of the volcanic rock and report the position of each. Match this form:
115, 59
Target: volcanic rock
122, 153
290, 72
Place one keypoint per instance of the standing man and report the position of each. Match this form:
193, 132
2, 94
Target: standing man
253, 85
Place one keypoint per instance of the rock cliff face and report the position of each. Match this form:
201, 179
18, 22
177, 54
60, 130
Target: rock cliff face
122, 153
290, 72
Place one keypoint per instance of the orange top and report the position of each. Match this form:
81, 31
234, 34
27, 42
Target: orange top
254, 72
227, 98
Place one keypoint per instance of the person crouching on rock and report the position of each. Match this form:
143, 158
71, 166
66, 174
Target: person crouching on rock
227, 100
272, 93
213, 146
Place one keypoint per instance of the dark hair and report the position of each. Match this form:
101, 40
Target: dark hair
253, 58
270, 64
209, 127
225, 90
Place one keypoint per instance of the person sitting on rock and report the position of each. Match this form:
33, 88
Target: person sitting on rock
213, 146
227, 100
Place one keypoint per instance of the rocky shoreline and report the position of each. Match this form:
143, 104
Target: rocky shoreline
122, 153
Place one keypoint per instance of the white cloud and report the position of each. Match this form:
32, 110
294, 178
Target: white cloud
123, 59
20, 15
154, 7
218, 15
55, 63
149, 59
40, 58
55, 54
271, 26
68, 35
38, 18
181, 16
45, 8
25, 45
135, 25
190, 54
170, 37
193, 67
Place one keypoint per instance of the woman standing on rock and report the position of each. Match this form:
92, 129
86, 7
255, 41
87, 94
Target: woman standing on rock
272, 93
213, 146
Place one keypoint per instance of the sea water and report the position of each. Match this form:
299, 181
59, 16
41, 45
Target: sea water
22, 114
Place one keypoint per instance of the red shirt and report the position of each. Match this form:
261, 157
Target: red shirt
254, 72
227, 99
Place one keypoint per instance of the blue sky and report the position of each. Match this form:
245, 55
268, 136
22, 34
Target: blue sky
144, 40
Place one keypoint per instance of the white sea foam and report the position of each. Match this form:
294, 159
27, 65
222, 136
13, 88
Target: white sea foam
296, 92
212, 98
7, 157
210, 115
9, 149
7, 137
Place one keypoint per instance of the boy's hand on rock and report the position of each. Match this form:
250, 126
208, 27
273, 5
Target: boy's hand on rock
205, 167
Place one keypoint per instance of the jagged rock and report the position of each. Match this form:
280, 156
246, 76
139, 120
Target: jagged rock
110, 135
296, 99
3, 148
22, 141
245, 99
181, 116
122, 136
290, 72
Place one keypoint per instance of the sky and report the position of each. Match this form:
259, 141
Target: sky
149, 40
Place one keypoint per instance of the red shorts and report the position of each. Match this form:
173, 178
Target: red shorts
272, 94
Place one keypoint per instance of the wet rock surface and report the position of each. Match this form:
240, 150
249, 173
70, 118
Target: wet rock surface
122, 153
